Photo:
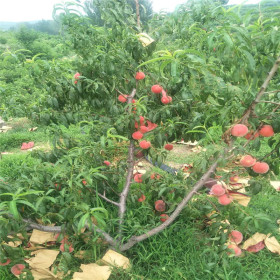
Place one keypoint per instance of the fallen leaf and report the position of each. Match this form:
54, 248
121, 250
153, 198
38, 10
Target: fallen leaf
272, 244
240, 198
116, 259
43, 258
44, 274
99, 272
275, 185
255, 239
41, 237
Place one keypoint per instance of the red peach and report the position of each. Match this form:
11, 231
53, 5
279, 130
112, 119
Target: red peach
234, 179
260, 167
137, 135
143, 129
153, 176
138, 178
139, 76
256, 248
5, 263
84, 182
75, 82
164, 217
217, 190
164, 93
106, 162
122, 98
236, 236
145, 144
247, 161
160, 205
224, 199
250, 134
142, 198
266, 131
169, 98
164, 100
236, 249
239, 130
17, 269
70, 247
156, 89
77, 76
168, 147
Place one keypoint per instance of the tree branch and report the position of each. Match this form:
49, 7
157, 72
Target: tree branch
137, 13
275, 103
136, 239
130, 161
261, 91
107, 199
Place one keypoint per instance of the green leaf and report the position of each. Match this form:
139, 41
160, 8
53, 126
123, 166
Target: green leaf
82, 222
13, 209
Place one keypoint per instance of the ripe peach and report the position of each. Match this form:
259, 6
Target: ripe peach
75, 82
138, 178
234, 179
164, 100
137, 135
17, 269
224, 199
84, 182
247, 161
77, 76
122, 98
142, 198
256, 248
106, 162
139, 76
266, 131
239, 130
164, 217
168, 147
156, 89
236, 236
217, 190
236, 249
5, 263
160, 205
153, 176
169, 98
250, 134
143, 129
142, 120
145, 144
261, 167
164, 93
70, 247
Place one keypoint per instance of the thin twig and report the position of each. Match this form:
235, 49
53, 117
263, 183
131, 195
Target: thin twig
108, 200
269, 102
137, 13
273, 91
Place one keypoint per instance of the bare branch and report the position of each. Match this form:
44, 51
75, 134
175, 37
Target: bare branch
107, 199
136, 239
130, 161
273, 91
261, 91
137, 13
275, 103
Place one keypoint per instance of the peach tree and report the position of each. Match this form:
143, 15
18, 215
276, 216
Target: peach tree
135, 101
